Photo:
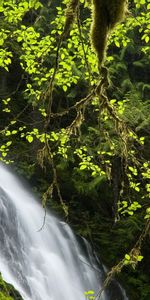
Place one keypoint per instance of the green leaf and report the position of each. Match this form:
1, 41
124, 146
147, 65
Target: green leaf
83, 167
4, 154
90, 292
19, 39
140, 257
29, 138
65, 88
147, 39
117, 44
14, 131
9, 143
8, 133
127, 257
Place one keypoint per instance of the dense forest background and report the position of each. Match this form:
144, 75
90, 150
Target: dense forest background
82, 141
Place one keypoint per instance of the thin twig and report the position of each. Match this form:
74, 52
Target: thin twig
133, 254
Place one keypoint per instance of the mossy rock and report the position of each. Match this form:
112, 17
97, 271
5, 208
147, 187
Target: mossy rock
7, 291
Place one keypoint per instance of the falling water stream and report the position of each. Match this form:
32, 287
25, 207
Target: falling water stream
47, 264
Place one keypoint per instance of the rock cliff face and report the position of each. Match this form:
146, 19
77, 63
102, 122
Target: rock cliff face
7, 291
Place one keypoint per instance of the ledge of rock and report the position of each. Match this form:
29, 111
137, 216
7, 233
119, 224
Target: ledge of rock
7, 291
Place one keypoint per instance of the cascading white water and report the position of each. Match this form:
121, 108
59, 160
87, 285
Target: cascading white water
46, 264
41, 265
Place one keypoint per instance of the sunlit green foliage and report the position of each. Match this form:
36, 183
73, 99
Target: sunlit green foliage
89, 295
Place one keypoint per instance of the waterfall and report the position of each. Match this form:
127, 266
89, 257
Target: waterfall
47, 264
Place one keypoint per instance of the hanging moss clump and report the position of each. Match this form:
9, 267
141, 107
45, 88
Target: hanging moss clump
70, 15
105, 15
